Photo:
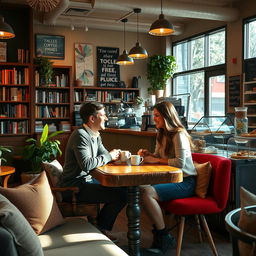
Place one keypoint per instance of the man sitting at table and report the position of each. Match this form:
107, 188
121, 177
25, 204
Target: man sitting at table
84, 152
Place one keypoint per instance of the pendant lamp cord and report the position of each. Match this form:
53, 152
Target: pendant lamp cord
137, 27
124, 35
161, 6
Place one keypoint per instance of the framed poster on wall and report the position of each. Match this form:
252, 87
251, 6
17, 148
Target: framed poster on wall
50, 46
84, 63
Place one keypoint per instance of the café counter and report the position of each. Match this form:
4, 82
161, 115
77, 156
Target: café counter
128, 139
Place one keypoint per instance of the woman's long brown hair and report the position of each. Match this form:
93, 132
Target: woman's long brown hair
172, 124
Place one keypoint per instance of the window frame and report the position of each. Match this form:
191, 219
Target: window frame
220, 68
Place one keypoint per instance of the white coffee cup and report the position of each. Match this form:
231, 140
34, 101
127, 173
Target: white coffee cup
125, 155
136, 159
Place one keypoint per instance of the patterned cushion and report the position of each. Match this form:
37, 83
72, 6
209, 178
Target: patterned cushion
54, 170
204, 171
27, 243
36, 203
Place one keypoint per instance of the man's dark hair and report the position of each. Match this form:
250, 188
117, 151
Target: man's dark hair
90, 109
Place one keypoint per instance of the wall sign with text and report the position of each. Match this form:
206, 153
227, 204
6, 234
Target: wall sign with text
108, 70
50, 46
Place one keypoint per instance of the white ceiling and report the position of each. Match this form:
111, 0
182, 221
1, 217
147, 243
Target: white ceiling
106, 14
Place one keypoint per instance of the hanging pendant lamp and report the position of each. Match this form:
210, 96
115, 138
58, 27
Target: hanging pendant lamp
161, 27
138, 52
124, 59
6, 31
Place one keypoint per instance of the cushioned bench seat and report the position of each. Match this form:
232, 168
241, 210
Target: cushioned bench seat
77, 237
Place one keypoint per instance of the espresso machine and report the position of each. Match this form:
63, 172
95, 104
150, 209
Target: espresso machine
147, 119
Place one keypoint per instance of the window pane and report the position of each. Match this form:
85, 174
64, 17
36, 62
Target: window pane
181, 53
197, 53
193, 84
252, 39
217, 48
217, 96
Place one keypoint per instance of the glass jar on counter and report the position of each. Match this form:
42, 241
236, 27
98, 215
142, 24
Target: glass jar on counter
241, 120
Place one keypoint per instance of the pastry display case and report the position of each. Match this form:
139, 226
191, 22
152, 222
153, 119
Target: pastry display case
242, 147
211, 133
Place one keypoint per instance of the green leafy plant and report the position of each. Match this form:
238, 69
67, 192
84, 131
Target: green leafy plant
45, 149
159, 70
44, 67
2, 150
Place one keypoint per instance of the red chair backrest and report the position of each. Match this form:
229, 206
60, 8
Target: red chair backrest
220, 179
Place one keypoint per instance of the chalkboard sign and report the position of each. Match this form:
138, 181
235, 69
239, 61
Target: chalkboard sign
108, 70
250, 69
50, 46
234, 85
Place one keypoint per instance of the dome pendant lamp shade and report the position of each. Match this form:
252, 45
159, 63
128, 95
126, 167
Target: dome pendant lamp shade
6, 31
161, 27
138, 52
124, 59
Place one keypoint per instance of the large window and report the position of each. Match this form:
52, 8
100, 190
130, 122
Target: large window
250, 38
198, 59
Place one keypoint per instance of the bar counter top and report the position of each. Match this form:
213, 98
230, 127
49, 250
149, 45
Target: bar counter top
136, 131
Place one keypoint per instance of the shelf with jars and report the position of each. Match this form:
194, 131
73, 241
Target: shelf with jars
249, 100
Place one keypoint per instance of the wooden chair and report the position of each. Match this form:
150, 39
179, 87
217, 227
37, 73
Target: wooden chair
215, 200
72, 207
236, 233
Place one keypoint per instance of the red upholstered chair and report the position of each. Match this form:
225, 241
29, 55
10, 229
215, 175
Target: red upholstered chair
214, 202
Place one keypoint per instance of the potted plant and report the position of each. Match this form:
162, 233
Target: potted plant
44, 68
45, 149
2, 150
159, 69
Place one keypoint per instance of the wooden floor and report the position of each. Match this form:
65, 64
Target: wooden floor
190, 245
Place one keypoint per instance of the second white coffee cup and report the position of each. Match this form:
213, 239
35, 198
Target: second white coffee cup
136, 159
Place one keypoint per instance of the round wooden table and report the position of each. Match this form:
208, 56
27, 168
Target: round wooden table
6, 171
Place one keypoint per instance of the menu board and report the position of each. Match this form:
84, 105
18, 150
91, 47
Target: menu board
108, 70
234, 85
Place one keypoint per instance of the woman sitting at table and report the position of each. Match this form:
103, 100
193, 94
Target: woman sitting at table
173, 147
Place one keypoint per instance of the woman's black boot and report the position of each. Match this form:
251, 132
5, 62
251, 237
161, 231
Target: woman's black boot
163, 240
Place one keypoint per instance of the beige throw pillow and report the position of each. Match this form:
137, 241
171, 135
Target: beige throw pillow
204, 171
36, 203
247, 221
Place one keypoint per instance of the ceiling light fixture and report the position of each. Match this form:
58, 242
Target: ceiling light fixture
161, 27
138, 52
124, 59
6, 31
43, 5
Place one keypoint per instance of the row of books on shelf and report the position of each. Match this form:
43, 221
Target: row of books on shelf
13, 111
62, 126
13, 127
51, 112
23, 56
52, 97
14, 94
104, 96
77, 118
56, 81
14, 76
